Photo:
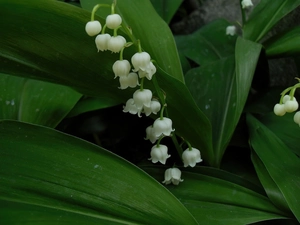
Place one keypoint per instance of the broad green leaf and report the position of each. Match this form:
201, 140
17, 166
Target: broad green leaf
63, 53
166, 8
35, 101
71, 176
280, 162
208, 44
147, 26
246, 58
270, 186
285, 44
221, 88
291, 132
213, 88
217, 197
265, 16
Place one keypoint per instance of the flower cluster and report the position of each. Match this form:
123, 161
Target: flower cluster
288, 103
133, 73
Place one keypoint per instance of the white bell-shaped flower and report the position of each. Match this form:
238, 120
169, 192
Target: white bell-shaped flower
279, 109
140, 61
148, 71
291, 105
130, 107
102, 41
115, 44
150, 135
113, 21
131, 80
121, 68
93, 27
297, 118
172, 175
231, 30
154, 108
191, 156
159, 154
162, 126
246, 4
142, 98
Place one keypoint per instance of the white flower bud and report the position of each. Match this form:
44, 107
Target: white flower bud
131, 80
231, 30
172, 175
113, 21
148, 72
140, 61
246, 4
121, 68
159, 154
191, 156
142, 98
93, 27
150, 135
101, 41
162, 126
115, 44
291, 105
286, 98
279, 110
297, 118
130, 107
154, 108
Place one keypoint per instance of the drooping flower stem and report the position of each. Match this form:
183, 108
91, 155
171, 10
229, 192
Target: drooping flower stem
113, 7
189, 145
96, 7
158, 142
121, 53
142, 83
139, 46
162, 111
243, 14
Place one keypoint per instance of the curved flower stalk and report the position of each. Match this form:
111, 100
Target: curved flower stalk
143, 100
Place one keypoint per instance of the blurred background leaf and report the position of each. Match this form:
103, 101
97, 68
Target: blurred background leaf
258, 26
284, 44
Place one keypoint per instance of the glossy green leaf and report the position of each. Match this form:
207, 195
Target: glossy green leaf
291, 132
166, 8
157, 41
265, 16
285, 44
246, 58
35, 101
71, 176
71, 58
221, 88
212, 86
280, 162
217, 197
208, 44
270, 186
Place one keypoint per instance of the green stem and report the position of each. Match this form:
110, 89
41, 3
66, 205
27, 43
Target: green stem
96, 7
243, 14
158, 142
113, 7
142, 83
